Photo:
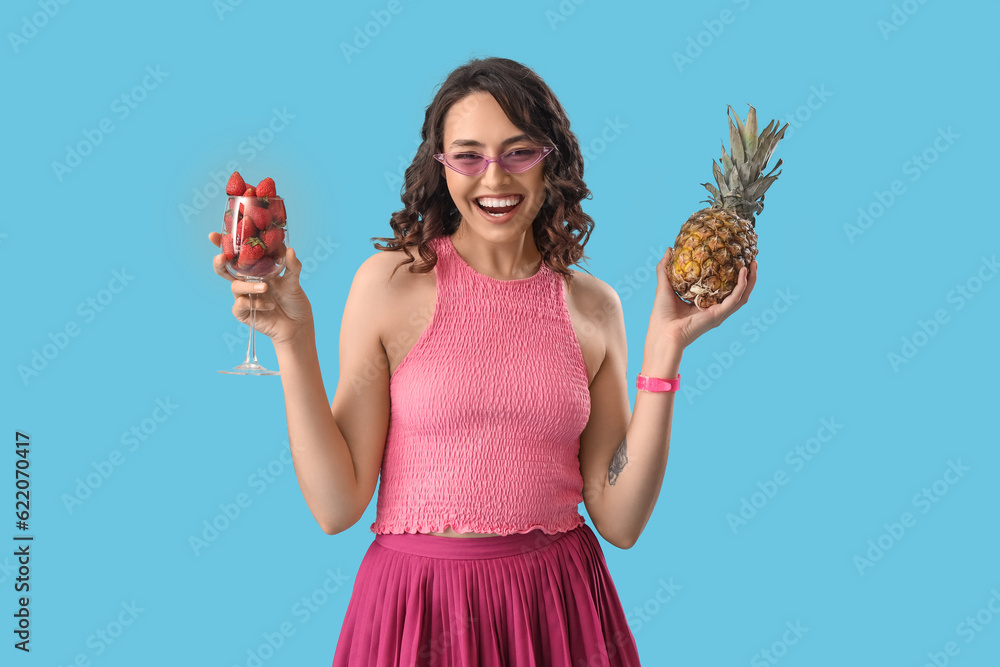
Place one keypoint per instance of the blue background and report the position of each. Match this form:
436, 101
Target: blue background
869, 87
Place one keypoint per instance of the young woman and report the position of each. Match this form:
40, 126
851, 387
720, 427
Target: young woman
486, 385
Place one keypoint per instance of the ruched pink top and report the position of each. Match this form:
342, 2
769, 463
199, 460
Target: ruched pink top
487, 410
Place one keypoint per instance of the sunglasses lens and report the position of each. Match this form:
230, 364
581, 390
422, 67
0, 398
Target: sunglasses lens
521, 159
467, 163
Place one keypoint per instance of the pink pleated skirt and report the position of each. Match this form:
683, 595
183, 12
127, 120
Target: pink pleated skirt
524, 599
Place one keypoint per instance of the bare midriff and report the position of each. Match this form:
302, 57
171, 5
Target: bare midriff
450, 532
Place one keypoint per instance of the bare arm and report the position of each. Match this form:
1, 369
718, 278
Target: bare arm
322, 459
635, 474
623, 456
337, 448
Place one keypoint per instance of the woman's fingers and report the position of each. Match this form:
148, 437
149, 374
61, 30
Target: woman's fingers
241, 308
219, 261
747, 279
245, 287
734, 299
219, 264
293, 267
751, 281
241, 305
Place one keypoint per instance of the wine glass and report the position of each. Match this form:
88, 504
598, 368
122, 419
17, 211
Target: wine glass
254, 243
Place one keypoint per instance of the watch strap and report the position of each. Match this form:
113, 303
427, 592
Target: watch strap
648, 383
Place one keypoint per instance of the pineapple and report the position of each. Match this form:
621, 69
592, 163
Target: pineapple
717, 241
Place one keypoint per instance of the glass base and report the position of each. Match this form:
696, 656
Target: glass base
250, 369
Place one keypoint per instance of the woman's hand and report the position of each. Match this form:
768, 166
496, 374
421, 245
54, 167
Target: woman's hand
282, 309
674, 320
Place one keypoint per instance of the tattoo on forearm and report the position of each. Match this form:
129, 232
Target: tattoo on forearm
618, 462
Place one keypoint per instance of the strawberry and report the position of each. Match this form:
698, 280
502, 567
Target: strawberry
245, 229
250, 192
264, 267
279, 254
236, 186
261, 217
227, 247
277, 208
273, 237
228, 218
266, 188
251, 252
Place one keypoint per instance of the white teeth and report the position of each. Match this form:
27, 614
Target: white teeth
492, 202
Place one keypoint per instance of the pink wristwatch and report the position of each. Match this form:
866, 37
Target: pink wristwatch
658, 384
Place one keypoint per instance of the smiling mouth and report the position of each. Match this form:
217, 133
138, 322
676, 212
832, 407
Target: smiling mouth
498, 206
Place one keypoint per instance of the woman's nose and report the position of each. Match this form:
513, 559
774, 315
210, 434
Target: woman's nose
494, 175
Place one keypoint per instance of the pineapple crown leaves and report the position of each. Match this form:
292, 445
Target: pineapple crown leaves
740, 184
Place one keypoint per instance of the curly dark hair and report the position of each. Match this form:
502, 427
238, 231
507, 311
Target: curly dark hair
561, 229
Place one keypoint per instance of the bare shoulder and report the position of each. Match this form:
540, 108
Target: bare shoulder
594, 298
596, 312
378, 269
395, 297
381, 279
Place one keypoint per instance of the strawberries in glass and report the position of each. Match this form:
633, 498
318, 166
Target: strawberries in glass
254, 229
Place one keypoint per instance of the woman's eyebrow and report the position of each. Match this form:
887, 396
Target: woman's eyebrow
477, 144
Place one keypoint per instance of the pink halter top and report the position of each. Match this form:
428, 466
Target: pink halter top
487, 410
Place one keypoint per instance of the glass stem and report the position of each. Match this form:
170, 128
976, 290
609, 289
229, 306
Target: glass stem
251, 349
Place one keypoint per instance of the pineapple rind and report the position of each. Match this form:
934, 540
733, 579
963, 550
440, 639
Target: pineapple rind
711, 248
